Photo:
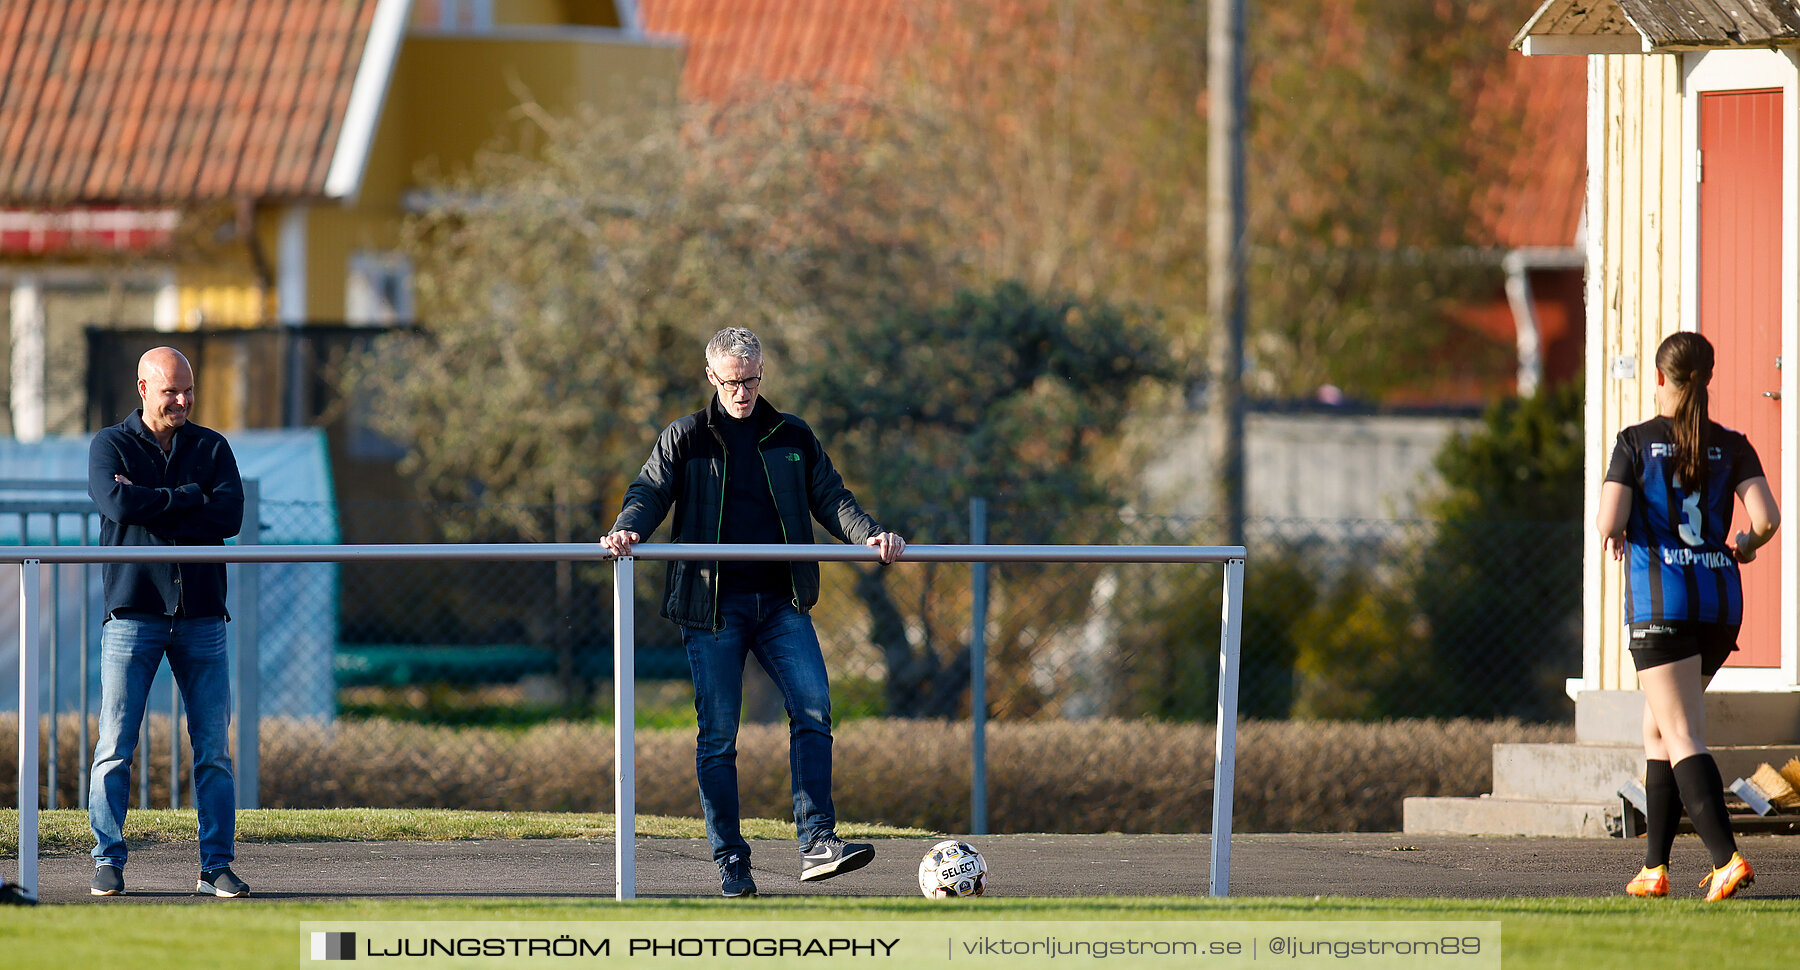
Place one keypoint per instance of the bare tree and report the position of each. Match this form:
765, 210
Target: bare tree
1364, 168
1079, 130
1073, 146
566, 293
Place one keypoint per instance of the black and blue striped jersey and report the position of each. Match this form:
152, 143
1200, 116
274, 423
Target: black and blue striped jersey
1677, 566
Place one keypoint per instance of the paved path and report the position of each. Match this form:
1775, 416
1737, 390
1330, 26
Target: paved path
1363, 864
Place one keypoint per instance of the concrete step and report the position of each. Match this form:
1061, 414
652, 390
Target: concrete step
1594, 772
1490, 815
1732, 717
1565, 772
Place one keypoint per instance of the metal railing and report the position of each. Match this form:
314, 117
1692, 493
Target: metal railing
30, 558
84, 512
244, 593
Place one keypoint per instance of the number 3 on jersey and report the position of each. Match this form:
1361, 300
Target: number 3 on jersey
1690, 528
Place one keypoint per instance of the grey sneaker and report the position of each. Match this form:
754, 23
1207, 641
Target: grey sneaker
831, 856
108, 881
734, 877
222, 882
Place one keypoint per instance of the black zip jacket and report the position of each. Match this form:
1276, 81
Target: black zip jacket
687, 470
192, 496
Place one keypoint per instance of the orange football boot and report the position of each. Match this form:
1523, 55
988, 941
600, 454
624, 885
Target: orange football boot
1649, 882
1726, 880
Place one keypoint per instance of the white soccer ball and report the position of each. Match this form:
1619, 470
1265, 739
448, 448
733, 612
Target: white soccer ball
952, 869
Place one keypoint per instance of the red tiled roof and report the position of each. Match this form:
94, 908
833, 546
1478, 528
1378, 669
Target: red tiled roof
173, 100
1536, 199
736, 42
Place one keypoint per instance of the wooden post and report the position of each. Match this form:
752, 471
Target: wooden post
1225, 251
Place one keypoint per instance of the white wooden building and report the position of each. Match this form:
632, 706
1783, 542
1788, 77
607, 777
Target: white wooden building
1693, 188
1693, 215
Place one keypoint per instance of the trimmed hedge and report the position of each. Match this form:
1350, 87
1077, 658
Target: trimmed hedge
1051, 776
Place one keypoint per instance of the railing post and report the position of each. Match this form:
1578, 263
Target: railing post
143, 758
624, 731
82, 749
176, 712
51, 760
246, 689
1231, 615
28, 725
978, 787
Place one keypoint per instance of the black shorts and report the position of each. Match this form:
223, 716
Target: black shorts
1666, 641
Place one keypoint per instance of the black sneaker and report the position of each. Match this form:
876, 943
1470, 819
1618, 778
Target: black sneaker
108, 881
734, 877
222, 882
831, 856
11, 895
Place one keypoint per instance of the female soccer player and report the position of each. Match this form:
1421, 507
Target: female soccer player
1665, 509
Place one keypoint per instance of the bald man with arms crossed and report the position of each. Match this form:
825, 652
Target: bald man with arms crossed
162, 480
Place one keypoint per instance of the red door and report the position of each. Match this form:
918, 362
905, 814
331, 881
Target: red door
1740, 312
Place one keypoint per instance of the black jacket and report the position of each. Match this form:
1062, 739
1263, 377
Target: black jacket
192, 496
687, 470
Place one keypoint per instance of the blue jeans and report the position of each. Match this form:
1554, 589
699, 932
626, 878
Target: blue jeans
130, 651
783, 640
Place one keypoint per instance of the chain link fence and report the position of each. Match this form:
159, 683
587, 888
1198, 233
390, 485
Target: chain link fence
1409, 623
1354, 620
1343, 620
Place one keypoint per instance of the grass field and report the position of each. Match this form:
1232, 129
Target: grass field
1580, 933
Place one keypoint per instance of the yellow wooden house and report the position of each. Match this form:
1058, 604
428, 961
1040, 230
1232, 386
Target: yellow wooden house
188, 166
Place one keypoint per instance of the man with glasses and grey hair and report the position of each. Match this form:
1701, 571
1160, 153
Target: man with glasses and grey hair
739, 471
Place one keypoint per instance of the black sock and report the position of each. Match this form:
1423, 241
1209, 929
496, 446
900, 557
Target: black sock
1662, 812
1703, 795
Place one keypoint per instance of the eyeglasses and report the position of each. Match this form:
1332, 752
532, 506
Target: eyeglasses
747, 384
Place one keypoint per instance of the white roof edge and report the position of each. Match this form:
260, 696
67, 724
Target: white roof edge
1525, 31
1545, 257
1541, 45
368, 94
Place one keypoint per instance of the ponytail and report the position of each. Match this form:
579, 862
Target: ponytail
1686, 361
